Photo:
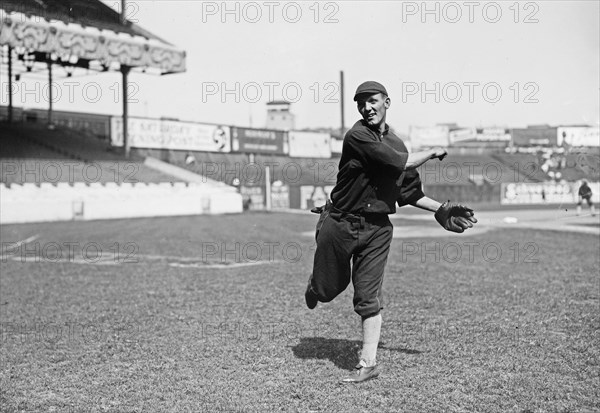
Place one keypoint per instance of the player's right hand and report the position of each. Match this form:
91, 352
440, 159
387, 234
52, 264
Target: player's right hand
439, 153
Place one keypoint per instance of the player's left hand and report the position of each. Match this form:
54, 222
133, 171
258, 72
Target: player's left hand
455, 217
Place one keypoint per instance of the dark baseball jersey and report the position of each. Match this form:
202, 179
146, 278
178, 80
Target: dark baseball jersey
371, 180
371, 177
585, 191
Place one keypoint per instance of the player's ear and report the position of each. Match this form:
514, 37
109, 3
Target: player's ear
387, 102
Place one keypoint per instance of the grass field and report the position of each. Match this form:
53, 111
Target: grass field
207, 314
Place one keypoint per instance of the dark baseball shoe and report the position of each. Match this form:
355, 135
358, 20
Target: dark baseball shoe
311, 298
362, 373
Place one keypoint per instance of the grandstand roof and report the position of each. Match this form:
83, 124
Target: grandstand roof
87, 30
84, 12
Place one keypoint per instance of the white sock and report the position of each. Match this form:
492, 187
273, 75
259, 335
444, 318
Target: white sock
371, 331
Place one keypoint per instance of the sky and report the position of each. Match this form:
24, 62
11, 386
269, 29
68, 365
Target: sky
477, 64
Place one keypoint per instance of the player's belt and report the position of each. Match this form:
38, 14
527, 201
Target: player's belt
338, 215
358, 219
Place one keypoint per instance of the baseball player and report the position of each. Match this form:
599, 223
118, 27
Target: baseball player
585, 194
376, 172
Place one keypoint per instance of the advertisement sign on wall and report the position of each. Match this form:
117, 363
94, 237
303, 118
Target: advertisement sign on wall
493, 134
280, 196
253, 197
311, 195
534, 136
578, 136
168, 134
544, 193
265, 141
463, 134
336, 145
310, 144
428, 136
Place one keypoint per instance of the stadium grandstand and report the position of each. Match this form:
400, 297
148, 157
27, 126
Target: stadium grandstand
72, 153
35, 154
58, 165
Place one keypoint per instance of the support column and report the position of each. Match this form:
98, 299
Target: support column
267, 188
123, 12
343, 126
125, 72
10, 86
50, 97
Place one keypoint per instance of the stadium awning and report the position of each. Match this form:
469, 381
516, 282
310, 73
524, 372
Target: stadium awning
82, 33
66, 38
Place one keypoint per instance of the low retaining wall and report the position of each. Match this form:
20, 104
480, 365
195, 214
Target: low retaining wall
545, 193
63, 202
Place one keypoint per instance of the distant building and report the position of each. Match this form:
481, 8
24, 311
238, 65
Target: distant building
279, 115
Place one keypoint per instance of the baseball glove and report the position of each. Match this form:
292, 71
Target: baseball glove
455, 217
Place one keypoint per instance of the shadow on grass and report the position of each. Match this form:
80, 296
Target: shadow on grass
343, 353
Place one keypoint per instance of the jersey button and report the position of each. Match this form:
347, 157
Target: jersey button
368, 205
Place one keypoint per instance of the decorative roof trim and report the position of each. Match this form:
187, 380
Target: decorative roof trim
33, 33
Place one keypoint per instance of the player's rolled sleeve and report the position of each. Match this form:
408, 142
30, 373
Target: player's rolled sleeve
376, 153
411, 190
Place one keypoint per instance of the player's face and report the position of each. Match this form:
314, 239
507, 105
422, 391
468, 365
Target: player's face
373, 108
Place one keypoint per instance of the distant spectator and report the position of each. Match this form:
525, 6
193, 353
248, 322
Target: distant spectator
585, 194
246, 202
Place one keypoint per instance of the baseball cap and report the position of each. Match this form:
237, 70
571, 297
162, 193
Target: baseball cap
370, 86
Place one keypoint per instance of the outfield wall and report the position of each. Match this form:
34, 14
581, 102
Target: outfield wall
307, 196
545, 193
65, 202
